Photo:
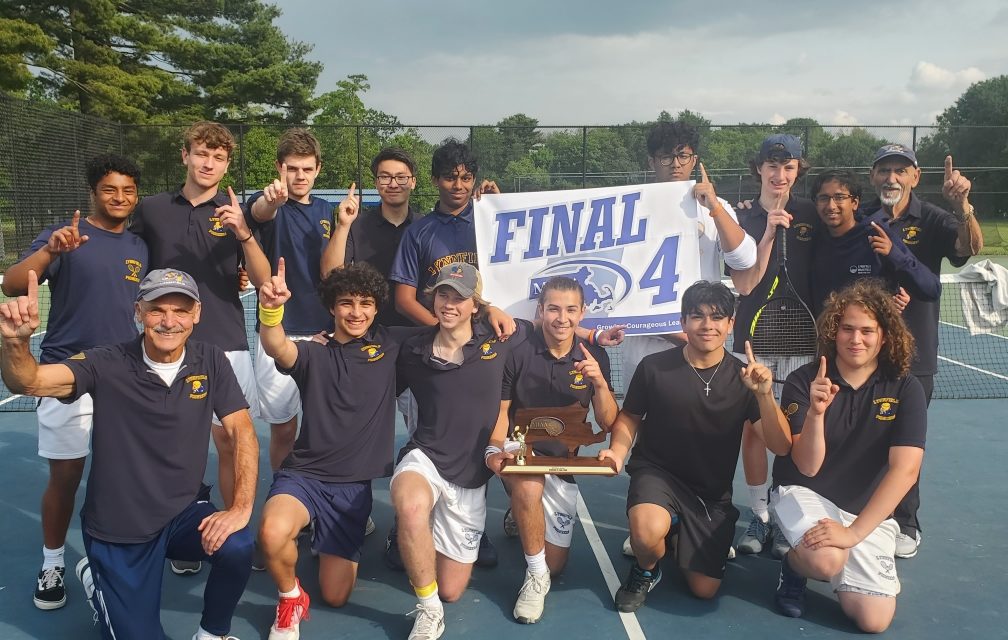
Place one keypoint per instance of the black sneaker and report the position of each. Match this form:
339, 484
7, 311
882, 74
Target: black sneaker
392, 556
487, 557
790, 596
50, 592
631, 596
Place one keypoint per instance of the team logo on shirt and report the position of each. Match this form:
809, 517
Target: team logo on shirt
803, 231
198, 391
134, 267
790, 409
911, 235
216, 228
472, 538
373, 351
326, 228
577, 382
887, 566
886, 408
486, 350
860, 269
563, 521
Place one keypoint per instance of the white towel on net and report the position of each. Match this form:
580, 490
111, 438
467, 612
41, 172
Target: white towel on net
984, 296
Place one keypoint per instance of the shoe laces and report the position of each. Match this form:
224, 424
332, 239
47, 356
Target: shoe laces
639, 582
427, 620
533, 583
790, 585
51, 578
288, 609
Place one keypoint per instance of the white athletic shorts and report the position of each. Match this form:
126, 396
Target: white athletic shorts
241, 362
559, 503
64, 429
871, 564
459, 514
279, 400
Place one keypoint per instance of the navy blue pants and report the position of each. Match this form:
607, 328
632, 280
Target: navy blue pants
127, 577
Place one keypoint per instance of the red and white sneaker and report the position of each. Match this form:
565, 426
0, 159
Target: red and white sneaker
290, 613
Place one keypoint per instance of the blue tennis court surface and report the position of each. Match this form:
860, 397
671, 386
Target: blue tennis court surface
953, 588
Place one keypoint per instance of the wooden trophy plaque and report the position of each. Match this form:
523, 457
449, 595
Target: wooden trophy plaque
567, 425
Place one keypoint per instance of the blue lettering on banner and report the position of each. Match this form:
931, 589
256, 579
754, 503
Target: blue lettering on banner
662, 273
564, 222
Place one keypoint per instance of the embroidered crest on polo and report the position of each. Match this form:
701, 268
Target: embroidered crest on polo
486, 350
326, 228
198, 390
373, 351
217, 229
134, 267
886, 408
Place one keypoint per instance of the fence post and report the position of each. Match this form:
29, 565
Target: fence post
913, 144
584, 157
360, 185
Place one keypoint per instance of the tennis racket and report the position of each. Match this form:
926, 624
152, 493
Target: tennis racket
783, 326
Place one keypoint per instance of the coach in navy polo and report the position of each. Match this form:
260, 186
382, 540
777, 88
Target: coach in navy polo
145, 501
932, 234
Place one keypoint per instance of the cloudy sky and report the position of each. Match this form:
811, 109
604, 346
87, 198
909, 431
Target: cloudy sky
606, 61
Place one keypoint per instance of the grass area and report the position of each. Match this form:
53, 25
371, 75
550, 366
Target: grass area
995, 233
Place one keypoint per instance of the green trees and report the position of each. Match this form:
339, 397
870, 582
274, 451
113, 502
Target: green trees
159, 60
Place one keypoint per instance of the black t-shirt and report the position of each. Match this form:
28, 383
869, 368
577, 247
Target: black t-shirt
534, 377
930, 233
457, 404
860, 427
375, 240
685, 432
348, 400
192, 239
753, 221
149, 440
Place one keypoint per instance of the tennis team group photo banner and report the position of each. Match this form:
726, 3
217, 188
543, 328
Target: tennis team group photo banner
634, 249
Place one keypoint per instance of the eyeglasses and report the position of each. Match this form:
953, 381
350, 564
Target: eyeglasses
385, 181
683, 158
838, 198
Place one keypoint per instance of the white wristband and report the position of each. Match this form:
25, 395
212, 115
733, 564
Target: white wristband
743, 256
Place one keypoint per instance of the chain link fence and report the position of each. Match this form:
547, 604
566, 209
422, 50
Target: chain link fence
43, 151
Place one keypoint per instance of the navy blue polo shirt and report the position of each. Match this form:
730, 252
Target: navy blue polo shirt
860, 427
457, 405
839, 261
685, 432
804, 222
298, 234
192, 239
930, 234
534, 377
92, 290
348, 400
375, 240
149, 441
432, 242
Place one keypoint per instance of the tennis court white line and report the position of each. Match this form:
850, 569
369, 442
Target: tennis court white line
972, 368
629, 620
959, 326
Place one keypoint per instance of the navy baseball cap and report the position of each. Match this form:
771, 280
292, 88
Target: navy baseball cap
900, 150
462, 277
780, 145
161, 282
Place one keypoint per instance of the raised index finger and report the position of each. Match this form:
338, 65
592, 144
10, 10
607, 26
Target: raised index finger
234, 198
703, 174
948, 167
822, 367
586, 352
32, 292
282, 269
283, 172
351, 193
75, 222
749, 353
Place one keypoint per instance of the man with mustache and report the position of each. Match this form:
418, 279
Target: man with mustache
932, 234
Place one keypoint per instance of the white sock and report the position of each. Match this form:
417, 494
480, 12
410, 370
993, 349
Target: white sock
293, 593
537, 563
759, 502
52, 557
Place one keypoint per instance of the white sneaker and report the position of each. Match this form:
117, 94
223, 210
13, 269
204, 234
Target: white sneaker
429, 623
906, 547
198, 636
532, 598
627, 548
